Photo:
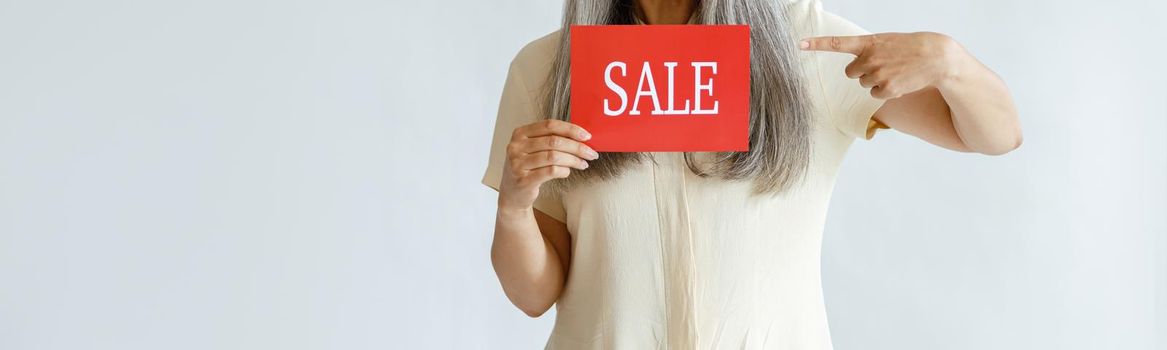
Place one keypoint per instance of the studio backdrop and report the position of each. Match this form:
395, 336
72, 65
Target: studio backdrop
305, 175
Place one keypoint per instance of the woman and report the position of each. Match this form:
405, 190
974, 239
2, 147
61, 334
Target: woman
708, 250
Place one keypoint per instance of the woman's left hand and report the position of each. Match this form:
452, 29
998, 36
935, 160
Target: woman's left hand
896, 64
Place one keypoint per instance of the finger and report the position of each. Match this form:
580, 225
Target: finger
883, 92
554, 127
559, 143
857, 68
545, 158
846, 44
541, 175
870, 80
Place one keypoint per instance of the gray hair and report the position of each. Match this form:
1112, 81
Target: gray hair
780, 111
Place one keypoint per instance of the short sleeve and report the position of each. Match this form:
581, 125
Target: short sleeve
517, 108
850, 105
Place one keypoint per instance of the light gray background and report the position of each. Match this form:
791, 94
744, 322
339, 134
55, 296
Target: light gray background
304, 175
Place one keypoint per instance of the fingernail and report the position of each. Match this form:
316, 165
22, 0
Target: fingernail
584, 135
584, 165
803, 44
592, 155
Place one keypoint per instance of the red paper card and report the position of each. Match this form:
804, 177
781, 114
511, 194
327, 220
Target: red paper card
707, 108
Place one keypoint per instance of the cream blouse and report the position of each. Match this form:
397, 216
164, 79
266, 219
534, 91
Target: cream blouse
662, 258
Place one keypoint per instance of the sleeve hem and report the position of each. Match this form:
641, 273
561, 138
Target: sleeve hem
866, 126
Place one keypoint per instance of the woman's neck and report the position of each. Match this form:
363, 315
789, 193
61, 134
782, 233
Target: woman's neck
665, 11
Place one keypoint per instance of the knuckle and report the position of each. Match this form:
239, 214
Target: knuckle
869, 79
554, 141
836, 43
548, 123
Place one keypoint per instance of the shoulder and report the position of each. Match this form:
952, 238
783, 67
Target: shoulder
539, 51
841, 101
532, 64
808, 18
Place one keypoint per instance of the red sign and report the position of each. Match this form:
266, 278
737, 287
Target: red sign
662, 88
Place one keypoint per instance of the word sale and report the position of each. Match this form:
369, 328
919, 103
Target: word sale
646, 87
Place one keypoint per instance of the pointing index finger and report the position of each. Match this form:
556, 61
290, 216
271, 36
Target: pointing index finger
846, 44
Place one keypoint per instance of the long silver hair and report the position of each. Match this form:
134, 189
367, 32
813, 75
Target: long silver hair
780, 111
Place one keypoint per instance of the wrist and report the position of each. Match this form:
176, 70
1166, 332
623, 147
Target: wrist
508, 211
957, 64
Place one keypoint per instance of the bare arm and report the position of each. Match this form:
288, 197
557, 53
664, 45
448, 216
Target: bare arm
531, 252
935, 89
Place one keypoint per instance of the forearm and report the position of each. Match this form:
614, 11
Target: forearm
525, 261
982, 109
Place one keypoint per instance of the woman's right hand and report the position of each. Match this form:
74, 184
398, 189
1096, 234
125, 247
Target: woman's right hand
537, 153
